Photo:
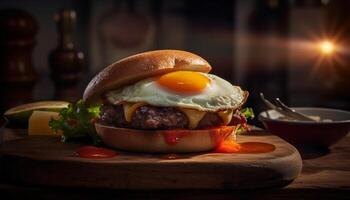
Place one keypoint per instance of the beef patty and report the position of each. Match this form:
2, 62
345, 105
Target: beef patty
153, 118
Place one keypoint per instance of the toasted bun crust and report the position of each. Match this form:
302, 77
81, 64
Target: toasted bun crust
134, 68
158, 141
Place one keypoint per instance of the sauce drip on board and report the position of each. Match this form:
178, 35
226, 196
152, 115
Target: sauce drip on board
221, 137
95, 152
230, 146
171, 156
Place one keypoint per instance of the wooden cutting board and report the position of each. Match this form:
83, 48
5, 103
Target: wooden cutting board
46, 161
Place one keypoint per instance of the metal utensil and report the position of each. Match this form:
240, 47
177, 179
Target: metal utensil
292, 111
280, 107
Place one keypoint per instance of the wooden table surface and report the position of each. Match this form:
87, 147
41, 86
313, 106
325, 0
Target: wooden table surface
325, 175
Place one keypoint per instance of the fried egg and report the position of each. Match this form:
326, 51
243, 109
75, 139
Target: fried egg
184, 89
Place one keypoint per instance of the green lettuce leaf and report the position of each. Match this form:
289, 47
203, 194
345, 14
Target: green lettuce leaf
248, 113
77, 122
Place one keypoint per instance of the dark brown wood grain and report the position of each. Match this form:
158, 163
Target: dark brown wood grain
47, 161
325, 176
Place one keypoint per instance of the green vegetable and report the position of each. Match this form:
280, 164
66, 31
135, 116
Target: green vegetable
18, 116
77, 122
248, 114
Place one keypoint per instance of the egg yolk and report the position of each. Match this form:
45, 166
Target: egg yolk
184, 81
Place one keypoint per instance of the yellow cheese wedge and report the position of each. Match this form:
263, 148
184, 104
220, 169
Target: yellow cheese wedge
226, 116
129, 109
194, 117
38, 123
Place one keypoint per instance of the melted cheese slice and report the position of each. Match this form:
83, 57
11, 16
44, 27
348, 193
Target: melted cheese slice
129, 110
193, 116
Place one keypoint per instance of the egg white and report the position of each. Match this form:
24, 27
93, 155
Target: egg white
219, 95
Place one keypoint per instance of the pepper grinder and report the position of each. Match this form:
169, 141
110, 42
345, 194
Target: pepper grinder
66, 62
17, 40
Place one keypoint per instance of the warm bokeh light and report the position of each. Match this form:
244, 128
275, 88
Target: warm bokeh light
327, 47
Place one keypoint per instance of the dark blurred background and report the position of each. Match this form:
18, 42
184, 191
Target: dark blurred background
297, 50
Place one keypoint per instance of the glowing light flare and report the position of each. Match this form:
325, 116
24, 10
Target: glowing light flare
327, 47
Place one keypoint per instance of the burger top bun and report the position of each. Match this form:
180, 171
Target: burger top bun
134, 68
155, 141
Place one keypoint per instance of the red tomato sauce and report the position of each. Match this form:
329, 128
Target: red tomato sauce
171, 137
230, 146
95, 152
171, 156
220, 134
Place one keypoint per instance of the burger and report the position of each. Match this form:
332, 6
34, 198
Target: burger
165, 101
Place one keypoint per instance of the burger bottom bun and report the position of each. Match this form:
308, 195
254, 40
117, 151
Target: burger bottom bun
164, 141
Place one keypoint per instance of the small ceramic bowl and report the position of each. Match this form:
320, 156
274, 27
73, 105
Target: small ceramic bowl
306, 133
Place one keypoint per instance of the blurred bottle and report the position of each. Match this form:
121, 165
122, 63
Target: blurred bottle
17, 40
66, 62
